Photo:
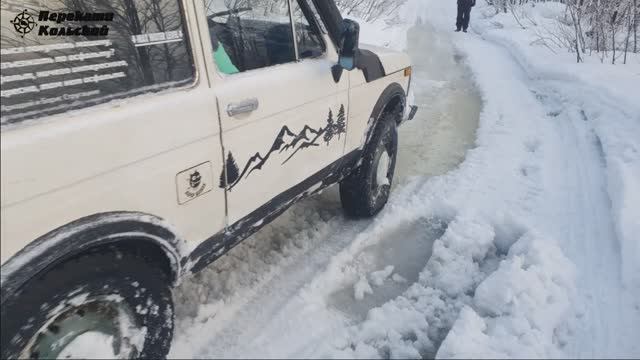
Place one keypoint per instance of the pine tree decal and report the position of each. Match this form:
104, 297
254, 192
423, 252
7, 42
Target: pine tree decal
230, 172
329, 130
341, 123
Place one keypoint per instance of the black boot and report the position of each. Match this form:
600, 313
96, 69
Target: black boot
458, 30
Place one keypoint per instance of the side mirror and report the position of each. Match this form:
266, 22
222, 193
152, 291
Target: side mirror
349, 43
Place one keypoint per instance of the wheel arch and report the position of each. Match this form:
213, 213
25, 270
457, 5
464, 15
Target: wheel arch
392, 101
112, 228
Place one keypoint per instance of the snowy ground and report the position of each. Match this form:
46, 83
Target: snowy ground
510, 233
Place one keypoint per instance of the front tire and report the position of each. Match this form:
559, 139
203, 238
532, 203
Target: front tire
366, 191
107, 303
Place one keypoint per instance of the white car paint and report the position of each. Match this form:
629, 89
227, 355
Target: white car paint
127, 155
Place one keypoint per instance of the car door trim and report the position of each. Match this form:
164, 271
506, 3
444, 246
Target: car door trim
294, 36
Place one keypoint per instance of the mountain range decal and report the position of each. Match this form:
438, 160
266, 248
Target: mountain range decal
285, 141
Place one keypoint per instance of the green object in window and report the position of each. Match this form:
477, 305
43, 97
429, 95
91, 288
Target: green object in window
224, 62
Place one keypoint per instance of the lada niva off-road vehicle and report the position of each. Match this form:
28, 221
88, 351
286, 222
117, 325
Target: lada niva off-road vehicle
143, 139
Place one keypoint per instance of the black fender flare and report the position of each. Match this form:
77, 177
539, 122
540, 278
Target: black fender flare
393, 99
80, 235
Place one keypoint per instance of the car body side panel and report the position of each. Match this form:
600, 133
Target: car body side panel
363, 98
392, 61
120, 156
112, 172
220, 243
285, 140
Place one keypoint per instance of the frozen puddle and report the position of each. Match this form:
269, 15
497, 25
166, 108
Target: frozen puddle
434, 143
444, 128
391, 265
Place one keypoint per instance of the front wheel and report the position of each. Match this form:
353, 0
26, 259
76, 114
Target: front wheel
366, 191
107, 303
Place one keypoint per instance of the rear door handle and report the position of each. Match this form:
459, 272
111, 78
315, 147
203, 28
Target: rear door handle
244, 106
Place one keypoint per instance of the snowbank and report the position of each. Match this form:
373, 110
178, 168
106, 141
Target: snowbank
624, 189
513, 311
517, 309
609, 100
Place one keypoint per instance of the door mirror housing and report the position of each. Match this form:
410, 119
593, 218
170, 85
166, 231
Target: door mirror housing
348, 48
349, 44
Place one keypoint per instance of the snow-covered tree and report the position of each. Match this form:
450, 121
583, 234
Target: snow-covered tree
370, 10
607, 27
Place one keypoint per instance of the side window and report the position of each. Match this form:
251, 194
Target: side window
59, 55
250, 34
308, 36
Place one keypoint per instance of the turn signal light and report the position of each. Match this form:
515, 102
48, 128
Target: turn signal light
407, 72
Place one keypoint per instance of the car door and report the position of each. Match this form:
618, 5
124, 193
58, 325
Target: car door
283, 117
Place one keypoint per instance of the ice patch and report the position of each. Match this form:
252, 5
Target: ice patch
361, 288
378, 277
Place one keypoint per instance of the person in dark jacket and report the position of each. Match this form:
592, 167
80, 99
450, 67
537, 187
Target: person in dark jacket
464, 11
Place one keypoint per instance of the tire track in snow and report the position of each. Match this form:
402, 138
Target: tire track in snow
589, 239
228, 294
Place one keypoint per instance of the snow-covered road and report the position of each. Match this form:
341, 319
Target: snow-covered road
586, 226
500, 238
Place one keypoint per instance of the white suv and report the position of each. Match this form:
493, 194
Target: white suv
143, 139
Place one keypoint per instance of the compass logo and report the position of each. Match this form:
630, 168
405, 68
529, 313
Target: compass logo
23, 23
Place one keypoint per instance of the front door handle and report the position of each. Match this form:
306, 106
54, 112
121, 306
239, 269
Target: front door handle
244, 106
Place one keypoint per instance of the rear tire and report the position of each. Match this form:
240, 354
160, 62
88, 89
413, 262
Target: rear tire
366, 190
119, 296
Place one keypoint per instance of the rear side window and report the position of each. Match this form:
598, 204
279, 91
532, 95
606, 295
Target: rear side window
68, 54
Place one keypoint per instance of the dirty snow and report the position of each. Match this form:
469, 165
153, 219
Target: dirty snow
510, 231
90, 345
